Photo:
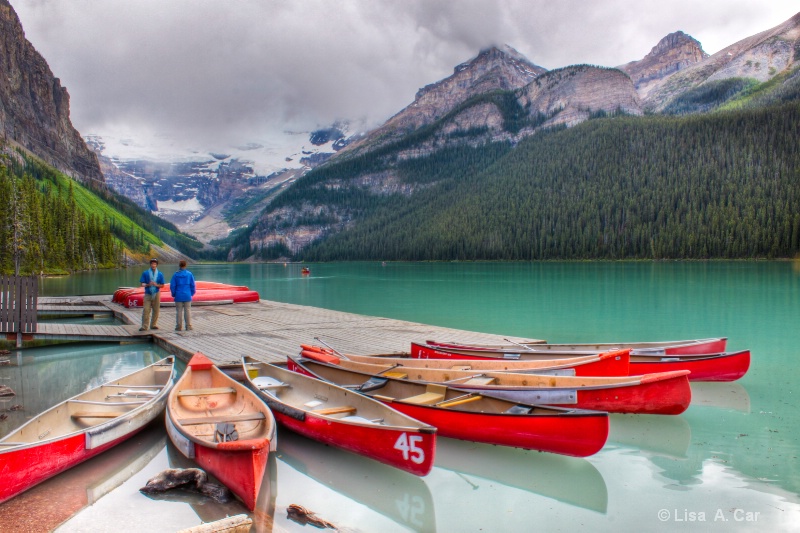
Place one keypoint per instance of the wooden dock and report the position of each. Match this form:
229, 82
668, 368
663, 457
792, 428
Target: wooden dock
266, 330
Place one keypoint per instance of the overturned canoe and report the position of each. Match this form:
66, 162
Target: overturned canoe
475, 417
82, 426
223, 426
339, 417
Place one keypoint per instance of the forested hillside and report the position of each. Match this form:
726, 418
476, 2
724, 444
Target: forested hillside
721, 185
53, 224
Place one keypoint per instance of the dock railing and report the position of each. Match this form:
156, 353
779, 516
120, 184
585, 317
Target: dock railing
18, 300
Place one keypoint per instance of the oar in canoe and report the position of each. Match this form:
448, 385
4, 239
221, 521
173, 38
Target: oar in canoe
684, 347
339, 417
82, 426
666, 393
475, 417
614, 363
223, 426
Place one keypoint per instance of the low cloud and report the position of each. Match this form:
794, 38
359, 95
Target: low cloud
221, 73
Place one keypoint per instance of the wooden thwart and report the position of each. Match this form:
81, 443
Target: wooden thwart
220, 418
206, 392
336, 410
433, 394
97, 414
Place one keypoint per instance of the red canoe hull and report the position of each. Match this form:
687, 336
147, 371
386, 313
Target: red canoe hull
709, 367
202, 295
241, 470
413, 452
715, 367
685, 347
616, 365
567, 434
24, 468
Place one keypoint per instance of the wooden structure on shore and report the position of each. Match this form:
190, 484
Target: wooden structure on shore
266, 330
18, 302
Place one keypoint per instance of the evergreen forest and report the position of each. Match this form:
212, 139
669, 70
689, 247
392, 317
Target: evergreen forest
718, 185
53, 224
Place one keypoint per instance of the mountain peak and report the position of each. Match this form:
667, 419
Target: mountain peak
674, 52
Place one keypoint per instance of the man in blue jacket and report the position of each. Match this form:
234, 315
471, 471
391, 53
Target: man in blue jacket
152, 280
182, 288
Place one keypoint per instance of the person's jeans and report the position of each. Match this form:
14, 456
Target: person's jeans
152, 302
185, 309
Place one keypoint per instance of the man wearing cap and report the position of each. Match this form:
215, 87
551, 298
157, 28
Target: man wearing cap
152, 280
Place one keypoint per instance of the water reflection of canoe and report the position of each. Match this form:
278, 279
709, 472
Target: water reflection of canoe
397, 495
614, 363
223, 426
475, 417
722, 395
684, 347
83, 426
567, 479
665, 393
209, 510
342, 418
69, 492
663, 435
711, 366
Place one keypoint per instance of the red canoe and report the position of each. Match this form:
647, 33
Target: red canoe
728, 366
81, 427
475, 417
686, 347
202, 295
123, 293
614, 363
223, 426
339, 417
666, 393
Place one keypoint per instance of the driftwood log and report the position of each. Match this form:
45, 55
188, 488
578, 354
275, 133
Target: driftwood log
239, 523
301, 515
192, 479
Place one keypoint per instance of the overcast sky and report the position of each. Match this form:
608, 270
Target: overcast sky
221, 72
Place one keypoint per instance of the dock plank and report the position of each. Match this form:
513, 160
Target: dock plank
265, 330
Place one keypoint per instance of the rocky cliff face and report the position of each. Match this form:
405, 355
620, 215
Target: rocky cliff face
674, 52
34, 107
496, 68
760, 57
573, 94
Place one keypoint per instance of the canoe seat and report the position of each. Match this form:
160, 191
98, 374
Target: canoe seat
97, 414
267, 382
480, 380
350, 410
383, 398
206, 392
519, 410
358, 420
221, 419
395, 374
433, 394
459, 401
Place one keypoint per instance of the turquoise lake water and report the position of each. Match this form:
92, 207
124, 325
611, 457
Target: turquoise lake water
729, 463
